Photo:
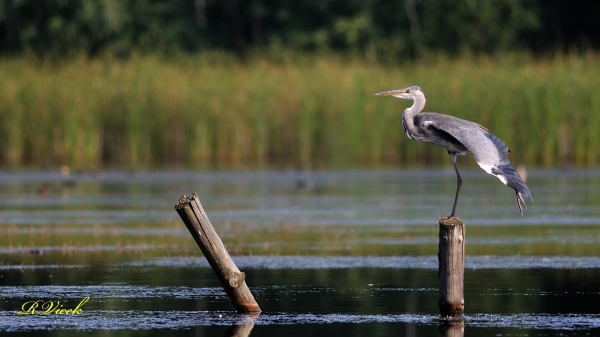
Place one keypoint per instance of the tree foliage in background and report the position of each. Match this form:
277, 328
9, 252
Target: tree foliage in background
374, 28
59, 26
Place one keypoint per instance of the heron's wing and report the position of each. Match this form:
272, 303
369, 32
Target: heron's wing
488, 150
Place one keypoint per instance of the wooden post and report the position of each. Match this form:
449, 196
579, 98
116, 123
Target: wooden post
451, 257
232, 279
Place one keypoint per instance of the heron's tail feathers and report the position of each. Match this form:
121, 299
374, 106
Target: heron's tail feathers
519, 186
511, 178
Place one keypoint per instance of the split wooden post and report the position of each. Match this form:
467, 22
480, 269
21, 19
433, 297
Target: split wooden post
232, 279
451, 257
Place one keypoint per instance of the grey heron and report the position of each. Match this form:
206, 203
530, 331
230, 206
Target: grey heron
459, 136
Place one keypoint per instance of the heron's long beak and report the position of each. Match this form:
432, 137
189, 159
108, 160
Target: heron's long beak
394, 93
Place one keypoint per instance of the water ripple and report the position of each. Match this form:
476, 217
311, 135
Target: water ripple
146, 320
109, 291
393, 262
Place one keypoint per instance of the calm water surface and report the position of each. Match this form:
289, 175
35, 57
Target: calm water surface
341, 253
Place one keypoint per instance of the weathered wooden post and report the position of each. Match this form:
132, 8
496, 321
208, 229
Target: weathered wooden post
451, 257
232, 279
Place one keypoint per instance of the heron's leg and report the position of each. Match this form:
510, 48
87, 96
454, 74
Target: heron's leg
453, 156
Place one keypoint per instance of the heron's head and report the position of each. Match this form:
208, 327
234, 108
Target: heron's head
411, 93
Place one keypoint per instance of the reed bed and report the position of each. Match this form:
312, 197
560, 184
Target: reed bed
211, 110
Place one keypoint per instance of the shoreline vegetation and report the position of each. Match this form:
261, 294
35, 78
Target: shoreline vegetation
212, 110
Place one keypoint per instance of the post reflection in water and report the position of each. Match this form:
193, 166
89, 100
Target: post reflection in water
455, 329
244, 327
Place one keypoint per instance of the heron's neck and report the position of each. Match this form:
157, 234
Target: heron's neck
408, 119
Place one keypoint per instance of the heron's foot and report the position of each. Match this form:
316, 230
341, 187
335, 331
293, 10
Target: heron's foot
449, 220
451, 216
521, 203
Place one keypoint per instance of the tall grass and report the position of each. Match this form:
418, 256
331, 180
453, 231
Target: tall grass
207, 110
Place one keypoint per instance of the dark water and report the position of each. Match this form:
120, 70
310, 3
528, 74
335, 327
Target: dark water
325, 253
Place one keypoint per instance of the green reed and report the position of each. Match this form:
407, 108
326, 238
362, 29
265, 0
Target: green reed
212, 110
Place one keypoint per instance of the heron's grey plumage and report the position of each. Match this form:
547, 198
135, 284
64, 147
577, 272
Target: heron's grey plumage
459, 136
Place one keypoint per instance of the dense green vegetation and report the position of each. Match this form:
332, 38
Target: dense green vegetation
377, 29
213, 110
